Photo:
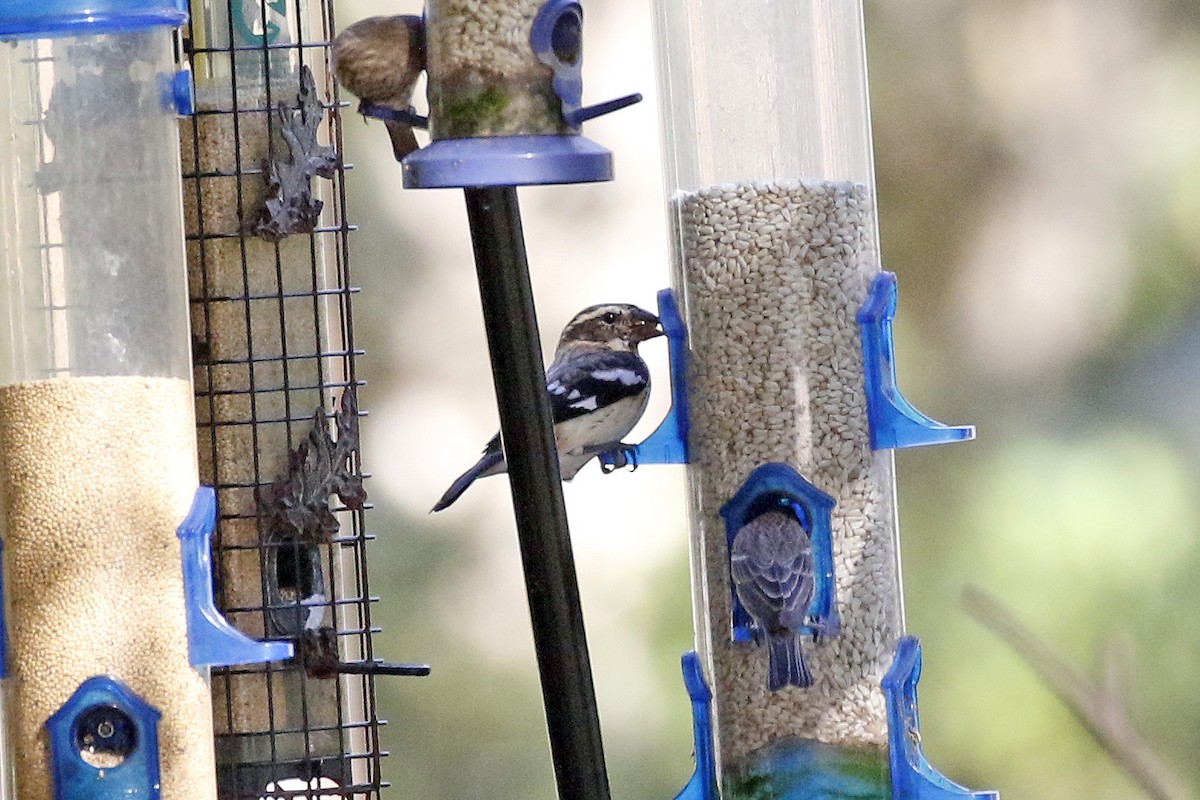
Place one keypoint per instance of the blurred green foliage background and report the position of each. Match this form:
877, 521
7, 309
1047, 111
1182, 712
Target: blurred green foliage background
1038, 169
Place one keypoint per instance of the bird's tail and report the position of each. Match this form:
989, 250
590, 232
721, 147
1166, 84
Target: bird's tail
785, 662
403, 139
486, 465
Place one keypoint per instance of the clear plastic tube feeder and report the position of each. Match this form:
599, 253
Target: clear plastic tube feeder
97, 429
769, 165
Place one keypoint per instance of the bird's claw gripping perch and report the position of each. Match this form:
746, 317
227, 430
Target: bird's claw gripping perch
613, 458
824, 629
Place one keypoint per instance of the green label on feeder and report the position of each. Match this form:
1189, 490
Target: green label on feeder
258, 23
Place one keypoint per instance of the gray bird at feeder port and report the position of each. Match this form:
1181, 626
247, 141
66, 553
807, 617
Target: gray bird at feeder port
771, 562
379, 59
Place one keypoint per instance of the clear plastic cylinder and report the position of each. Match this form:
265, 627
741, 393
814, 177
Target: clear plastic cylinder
768, 161
484, 77
97, 428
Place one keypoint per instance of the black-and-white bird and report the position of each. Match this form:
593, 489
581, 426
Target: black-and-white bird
598, 386
771, 562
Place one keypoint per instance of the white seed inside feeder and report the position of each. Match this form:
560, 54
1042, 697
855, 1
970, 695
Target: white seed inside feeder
774, 275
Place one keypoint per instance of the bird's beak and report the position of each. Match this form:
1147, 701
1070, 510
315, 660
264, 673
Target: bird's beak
646, 326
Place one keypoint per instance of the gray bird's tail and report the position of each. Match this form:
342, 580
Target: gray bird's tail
487, 465
785, 662
403, 139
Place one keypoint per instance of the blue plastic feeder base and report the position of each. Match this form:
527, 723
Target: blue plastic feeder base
506, 161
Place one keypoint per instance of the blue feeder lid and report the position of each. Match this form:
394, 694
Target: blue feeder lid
37, 19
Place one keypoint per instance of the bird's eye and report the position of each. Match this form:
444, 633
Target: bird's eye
609, 317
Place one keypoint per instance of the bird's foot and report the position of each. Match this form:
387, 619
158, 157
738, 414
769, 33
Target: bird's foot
823, 629
618, 455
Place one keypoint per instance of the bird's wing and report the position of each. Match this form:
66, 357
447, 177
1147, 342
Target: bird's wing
585, 381
773, 569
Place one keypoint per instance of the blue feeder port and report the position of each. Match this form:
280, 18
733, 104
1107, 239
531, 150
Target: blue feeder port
913, 778
104, 744
557, 40
893, 421
763, 490
212, 641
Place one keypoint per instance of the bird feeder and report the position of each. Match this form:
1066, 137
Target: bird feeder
109, 633
505, 110
776, 250
268, 279
505, 95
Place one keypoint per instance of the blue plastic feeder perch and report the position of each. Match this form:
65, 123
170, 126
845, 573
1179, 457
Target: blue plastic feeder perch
703, 783
912, 776
212, 641
763, 489
893, 420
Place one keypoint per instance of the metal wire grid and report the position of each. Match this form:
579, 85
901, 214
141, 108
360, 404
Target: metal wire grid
48, 211
273, 340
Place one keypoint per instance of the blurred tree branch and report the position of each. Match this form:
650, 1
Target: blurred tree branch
1099, 706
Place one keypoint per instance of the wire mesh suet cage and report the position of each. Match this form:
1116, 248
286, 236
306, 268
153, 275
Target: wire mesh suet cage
276, 398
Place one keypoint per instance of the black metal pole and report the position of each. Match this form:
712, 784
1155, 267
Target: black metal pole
526, 429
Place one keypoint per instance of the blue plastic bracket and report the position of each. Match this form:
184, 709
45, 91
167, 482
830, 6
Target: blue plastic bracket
703, 783
912, 776
212, 641
893, 421
765, 488
183, 93
667, 444
177, 93
104, 744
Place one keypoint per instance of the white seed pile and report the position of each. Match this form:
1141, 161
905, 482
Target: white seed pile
483, 35
774, 275
474, 45
96, 474
224, 265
